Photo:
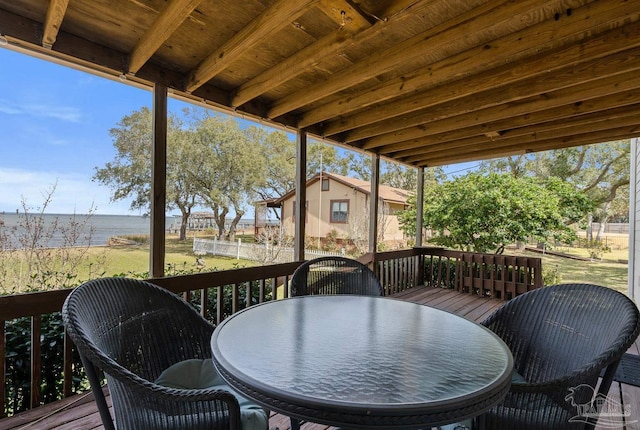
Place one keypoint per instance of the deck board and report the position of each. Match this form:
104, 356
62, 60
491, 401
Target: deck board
80, 412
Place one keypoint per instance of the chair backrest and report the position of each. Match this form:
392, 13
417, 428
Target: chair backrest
126, 324
133, 331
566, 330
334, 275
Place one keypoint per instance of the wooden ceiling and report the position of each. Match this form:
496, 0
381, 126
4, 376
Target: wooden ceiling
424, 82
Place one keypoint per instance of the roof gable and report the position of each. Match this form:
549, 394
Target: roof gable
387, 194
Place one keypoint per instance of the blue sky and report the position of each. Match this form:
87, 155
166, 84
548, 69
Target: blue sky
55, 124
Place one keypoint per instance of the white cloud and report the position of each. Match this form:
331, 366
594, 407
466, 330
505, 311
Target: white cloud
39, 110
72, 193
9, 110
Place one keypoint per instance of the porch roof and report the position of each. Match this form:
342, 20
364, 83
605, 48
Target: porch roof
424, 82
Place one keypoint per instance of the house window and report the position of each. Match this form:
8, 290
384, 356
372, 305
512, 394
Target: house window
325, 184
339, 211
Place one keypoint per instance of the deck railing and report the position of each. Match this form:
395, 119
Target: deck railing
220, 294
491, 275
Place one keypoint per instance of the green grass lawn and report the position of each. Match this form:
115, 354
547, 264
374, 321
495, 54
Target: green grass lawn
608, 272
134, 259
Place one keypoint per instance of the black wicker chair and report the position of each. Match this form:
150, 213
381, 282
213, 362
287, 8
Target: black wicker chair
334, 275
134, 331
329, 276
561, 338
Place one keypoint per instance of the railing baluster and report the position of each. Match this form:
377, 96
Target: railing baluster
67, 366
3, 366
36, 360
261, 287
219, 304
204, 301
248, 295
234, 299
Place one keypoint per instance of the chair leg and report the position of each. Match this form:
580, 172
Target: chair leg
101, 402
295, 424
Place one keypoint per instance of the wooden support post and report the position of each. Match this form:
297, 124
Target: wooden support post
373, 205
634, 221
419, 206
301, 195
158, 182
419, 275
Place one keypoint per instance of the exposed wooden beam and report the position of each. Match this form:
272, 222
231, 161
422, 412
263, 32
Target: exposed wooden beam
55, 14
291, 67
575, 140
414, 125
272, 20
463, 126
596, 70
453, 32
529, 135
169, 19
437, 85
311, 55
556, 118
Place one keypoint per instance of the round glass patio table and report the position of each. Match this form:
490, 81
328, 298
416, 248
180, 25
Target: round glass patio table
362, 362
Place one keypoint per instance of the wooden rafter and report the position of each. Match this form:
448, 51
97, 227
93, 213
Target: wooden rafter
296, 64
280, 14
577, 94
55, 14
451, 32
290, 68
552, 83
526, 135
523, 124
608, 135
169, 19
475, 71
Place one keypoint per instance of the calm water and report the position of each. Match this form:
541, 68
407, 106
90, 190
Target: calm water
104, 227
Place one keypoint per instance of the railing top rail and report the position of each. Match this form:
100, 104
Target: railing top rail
44, 302
199, 281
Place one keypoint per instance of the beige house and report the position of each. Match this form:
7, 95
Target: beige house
338, 206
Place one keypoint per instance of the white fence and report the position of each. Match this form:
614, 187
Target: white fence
263, 253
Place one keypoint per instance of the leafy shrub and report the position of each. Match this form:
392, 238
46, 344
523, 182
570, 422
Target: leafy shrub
551, 275
18, 363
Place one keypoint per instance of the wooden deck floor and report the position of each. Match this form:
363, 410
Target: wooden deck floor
79, 412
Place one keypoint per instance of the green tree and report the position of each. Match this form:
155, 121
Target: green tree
601, 171
325, 157
129, 174
279, 166
484, 213
227, 167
